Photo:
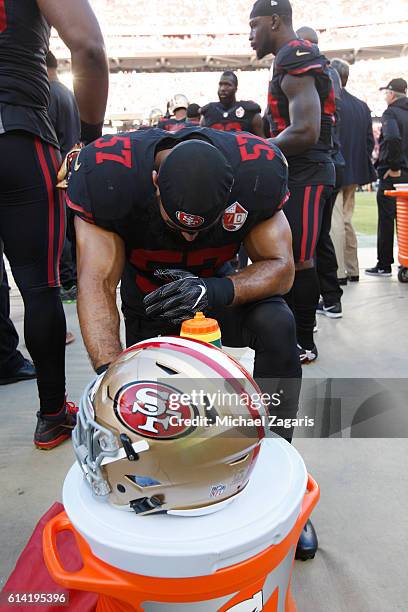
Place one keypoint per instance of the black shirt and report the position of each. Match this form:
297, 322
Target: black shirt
24, 87
112, 187
394, 137
238, 117
301, 58
64, 114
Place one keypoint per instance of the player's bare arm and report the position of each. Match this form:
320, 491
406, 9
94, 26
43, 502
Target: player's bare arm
78, 27
305, 115
269, 246
101, 257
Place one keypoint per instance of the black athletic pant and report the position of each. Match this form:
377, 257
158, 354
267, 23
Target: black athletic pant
386, 220
304, 211
68, 274
32, 228
326, 262
267, 327
10, 358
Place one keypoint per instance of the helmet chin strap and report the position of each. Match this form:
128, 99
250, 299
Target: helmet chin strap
145, 504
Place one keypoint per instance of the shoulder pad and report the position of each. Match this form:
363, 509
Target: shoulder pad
204, 109
104, 185
250, 106
300, 57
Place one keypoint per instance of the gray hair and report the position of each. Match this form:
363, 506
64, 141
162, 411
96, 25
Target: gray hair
343, 68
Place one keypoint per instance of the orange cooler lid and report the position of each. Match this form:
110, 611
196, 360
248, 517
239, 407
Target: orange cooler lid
199, 325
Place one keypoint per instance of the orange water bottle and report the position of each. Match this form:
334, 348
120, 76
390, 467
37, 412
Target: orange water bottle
201, 328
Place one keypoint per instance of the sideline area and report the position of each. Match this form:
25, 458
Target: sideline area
361, 519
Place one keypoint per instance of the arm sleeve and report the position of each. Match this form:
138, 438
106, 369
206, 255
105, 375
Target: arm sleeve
370, 134
392, 141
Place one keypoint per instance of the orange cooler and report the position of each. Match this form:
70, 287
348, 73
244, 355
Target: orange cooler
238, 559
401, 193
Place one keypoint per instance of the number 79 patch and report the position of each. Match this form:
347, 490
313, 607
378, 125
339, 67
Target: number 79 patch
234, 217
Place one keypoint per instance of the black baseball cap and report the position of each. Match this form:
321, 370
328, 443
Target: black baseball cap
398, 85
265, 8
195, 181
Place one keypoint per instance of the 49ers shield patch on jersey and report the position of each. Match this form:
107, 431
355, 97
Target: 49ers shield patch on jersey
189, 220
234, 217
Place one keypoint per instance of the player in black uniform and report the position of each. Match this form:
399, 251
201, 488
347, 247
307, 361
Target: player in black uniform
178, 108
31, 209
229, 114
301, 107
326, 261
155, 207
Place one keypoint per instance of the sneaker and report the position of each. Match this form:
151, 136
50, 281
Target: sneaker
51, 432
26, 371
68, 296
333, 312
353, 279
342, 281
379, 271
307, 355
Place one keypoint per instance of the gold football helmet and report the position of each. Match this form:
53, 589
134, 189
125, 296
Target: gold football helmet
174, 425
155, 116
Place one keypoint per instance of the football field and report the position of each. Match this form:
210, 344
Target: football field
365, 213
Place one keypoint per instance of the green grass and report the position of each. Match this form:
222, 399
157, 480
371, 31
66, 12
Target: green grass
365, 213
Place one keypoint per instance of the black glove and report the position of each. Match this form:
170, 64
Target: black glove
187, 294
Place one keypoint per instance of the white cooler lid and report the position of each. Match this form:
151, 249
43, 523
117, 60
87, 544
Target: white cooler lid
178, 547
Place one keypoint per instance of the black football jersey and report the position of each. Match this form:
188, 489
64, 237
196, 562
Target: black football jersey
111, 186
238, 118
301, 58
173, 125
24, 86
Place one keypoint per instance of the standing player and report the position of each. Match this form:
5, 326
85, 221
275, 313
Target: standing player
31, 208
64, 115
301, 108
229, 114
325, 259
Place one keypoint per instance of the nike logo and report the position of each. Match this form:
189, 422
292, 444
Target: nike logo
203, 292
77, 164
299, 53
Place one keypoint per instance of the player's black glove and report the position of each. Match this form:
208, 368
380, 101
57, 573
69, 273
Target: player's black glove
187, 294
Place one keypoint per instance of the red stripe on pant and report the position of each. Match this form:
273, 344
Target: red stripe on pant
305, 223
3, 16
51, 211
315, 220
61, 237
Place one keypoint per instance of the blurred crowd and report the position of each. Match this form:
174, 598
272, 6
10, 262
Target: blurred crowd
133, 92
207, 14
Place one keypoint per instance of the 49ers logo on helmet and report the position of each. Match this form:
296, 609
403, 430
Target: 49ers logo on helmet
189, 220
234, 217
154, 410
